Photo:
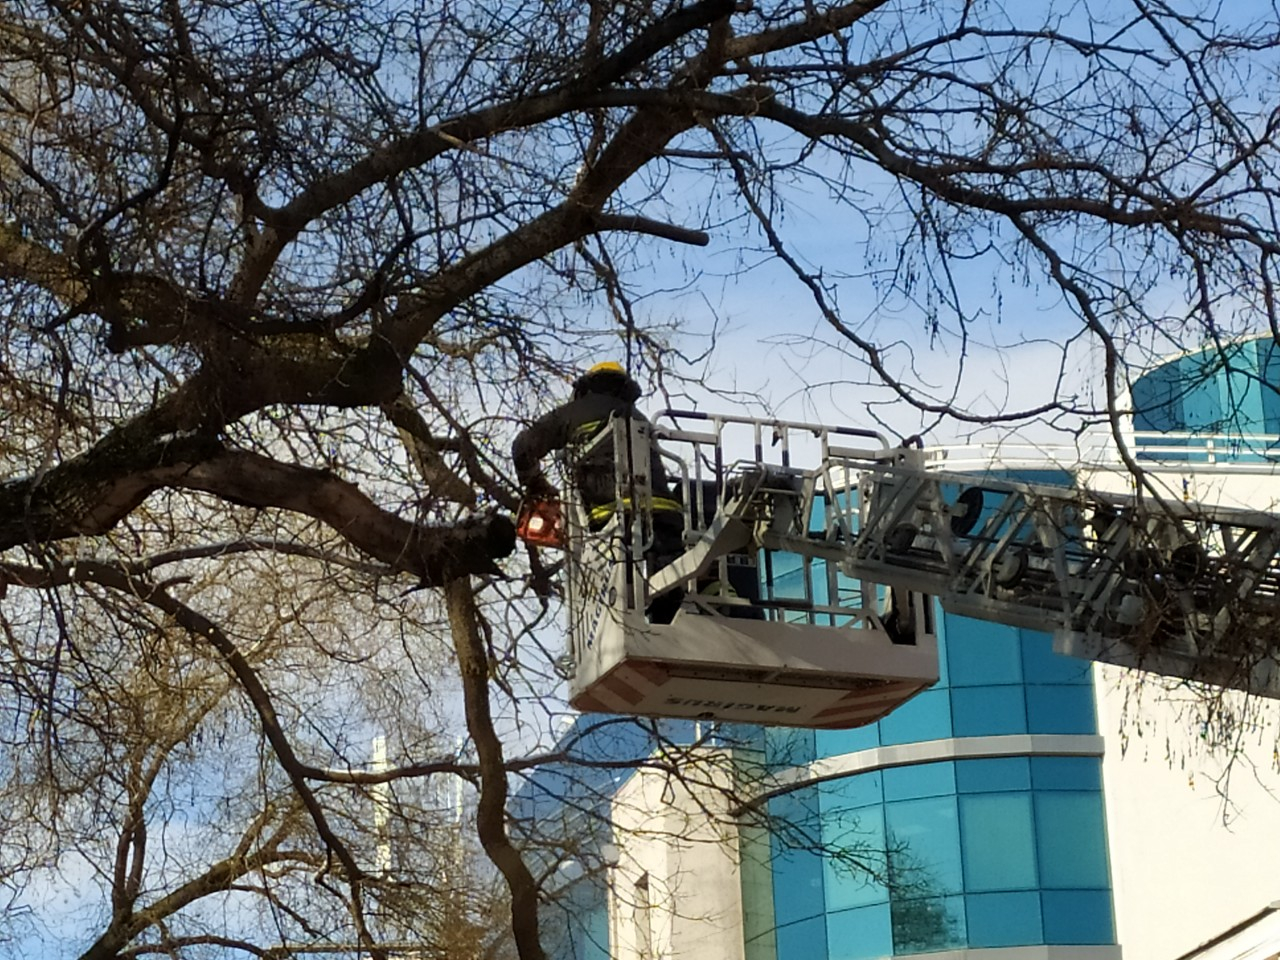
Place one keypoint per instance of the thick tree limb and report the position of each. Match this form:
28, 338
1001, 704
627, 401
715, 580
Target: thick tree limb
228, 548
813, 25
433, 554
491, 809
26, 260
92, 493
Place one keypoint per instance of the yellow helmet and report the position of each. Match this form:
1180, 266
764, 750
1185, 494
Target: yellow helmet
607, 377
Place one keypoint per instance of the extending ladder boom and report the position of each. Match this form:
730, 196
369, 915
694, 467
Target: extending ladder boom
1177, 588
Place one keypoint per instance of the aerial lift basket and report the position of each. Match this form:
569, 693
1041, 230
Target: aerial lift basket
768, 630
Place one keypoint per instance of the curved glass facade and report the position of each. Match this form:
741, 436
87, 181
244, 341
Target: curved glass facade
992, 852
1223, 397
933, 854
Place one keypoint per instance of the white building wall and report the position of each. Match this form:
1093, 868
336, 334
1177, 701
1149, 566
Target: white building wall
1194, 837
676, 889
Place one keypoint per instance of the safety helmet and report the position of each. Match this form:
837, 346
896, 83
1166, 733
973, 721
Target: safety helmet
610, 377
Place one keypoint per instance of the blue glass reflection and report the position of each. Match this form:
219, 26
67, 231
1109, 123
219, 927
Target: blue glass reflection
855, 866
797, 864
1041, 665
980, 653
806, 940
997, 836
1077, 916
1004, 919
927, 924
988, 711
858, 934
924, 846
858, 790
788, 746
923, 717
1066, 773
994, 775
1060, 709
1073, 843
919, 780
833, 743
576, 927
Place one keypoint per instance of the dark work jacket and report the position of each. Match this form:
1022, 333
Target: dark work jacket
567, 426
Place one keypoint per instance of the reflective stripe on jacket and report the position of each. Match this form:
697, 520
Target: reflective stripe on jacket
604, 511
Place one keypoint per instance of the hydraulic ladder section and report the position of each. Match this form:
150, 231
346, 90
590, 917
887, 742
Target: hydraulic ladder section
1186, 590
760, 624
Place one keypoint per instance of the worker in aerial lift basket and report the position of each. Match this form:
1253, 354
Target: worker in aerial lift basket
603, 392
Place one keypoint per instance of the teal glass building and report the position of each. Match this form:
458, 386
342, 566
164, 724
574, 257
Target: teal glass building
1225, 389
971, 817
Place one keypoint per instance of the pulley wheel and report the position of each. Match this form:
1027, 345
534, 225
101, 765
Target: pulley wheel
963, 521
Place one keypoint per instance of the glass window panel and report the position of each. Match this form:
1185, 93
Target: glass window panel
997, 835
1202, 406
803, 941
1072, 840
1004, 919
797, 867
1077, 916
857, 790
755, 875
1066, 773
1041, 665
981, 653
919, 780
787, 572
923, 838
994, 775
818, 577
833, 743
854, 865
1269, 359
797, 886
923, 717
1156, 401
763, 947
797, 806
927, 924
577, 929
596, 942
988, 711
1060, 709
857, 934
788, 746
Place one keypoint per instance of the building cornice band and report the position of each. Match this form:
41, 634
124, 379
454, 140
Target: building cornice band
930, 751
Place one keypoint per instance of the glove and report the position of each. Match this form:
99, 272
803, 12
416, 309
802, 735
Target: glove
540, 489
